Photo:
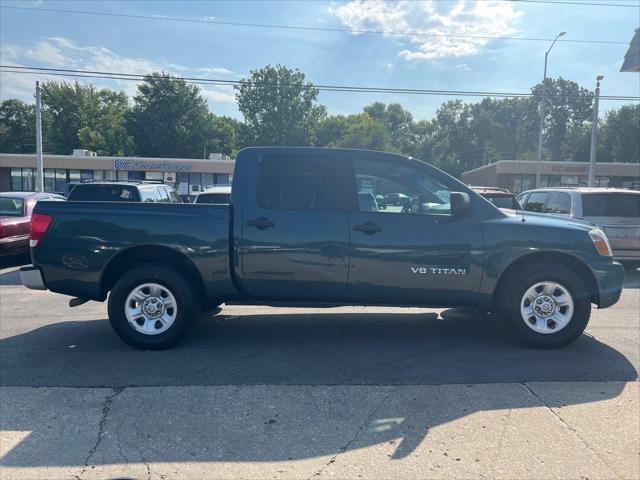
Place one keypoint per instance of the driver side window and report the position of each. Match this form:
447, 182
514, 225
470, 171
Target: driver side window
398, 188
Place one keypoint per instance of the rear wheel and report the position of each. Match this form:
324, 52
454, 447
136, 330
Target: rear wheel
548, 305
151, 308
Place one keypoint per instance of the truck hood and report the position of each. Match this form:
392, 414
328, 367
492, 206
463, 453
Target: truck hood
547, 220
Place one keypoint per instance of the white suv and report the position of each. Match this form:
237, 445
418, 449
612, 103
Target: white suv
616, 211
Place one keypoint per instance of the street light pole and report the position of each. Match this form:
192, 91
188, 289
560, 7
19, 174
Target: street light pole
594, 132
39, 184
542, 110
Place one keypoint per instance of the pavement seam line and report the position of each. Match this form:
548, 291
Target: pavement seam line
106, 408
366, 422
570, 428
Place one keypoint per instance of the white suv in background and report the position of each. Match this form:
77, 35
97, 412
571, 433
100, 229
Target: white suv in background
217, 194
616, 211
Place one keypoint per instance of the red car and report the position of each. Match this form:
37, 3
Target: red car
15, 219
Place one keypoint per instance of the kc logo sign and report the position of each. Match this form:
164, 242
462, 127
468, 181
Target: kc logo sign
121, 164
127, 164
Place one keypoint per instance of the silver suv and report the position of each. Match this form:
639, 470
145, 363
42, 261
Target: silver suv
614, 210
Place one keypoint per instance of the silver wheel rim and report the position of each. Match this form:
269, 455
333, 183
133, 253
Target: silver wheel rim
150, 309
546, 307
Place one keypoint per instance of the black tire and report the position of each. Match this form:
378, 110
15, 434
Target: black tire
521, 281
180, 288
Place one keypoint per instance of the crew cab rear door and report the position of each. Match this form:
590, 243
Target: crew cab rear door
295, 237
407, 248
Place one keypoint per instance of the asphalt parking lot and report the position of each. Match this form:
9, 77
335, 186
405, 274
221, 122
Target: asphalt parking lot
350, 392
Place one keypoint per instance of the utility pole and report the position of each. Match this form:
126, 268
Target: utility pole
484, 154
39, 163
542, 110
594, 132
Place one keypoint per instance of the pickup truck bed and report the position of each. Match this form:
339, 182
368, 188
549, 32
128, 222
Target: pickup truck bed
91, 242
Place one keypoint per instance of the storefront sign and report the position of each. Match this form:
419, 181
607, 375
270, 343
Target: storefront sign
126, 164
569, 169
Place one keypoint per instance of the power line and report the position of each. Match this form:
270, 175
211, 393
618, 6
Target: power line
306, 28
25, 70
591, 4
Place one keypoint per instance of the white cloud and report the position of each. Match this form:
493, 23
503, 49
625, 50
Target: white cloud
223, 93
65, 53
464, 17
47, 53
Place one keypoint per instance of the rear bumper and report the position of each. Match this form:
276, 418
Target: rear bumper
626, 255
31, 277
14, 246
610, 278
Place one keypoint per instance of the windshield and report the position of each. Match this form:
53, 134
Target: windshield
611, 205
11, 207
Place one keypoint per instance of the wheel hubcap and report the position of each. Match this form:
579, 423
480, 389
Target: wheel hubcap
547, 307
151, 308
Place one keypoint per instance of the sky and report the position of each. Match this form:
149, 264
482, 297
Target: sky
229, 52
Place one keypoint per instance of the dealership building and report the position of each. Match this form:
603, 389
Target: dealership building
187, 176
520, 175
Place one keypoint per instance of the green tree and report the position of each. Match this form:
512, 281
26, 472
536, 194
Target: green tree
567, 105
17, 127
86, 117
330, 130
620, 135
454, 148
365, 132
222, 137
576, 145
397, 120
170, 118
420, 140
279, 107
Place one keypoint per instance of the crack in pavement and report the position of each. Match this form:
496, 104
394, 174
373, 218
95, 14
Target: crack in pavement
570, 428
101, 424
366, 422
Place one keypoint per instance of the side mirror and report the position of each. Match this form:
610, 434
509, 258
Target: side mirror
460, 204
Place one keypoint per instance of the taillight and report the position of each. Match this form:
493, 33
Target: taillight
39, 225
2, 234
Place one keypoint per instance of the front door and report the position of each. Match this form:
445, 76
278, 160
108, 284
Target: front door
295, 236
407, 248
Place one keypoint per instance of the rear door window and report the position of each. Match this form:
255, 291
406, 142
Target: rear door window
611, 205
559, 203
298, 183
104, 193
536, 202
162, 193
149, 194
173, 196
522, 198
11, 207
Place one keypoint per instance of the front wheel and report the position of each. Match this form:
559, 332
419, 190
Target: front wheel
548, 305
151, 308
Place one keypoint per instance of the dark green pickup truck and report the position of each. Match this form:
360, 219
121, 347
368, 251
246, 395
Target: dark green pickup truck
324, 227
